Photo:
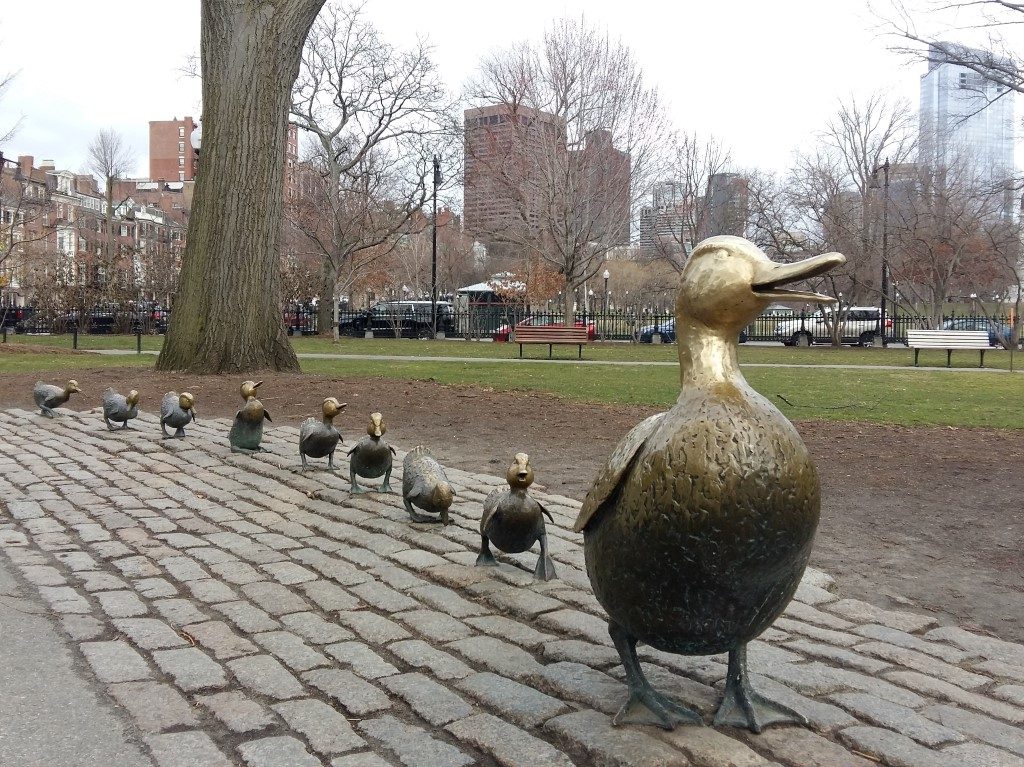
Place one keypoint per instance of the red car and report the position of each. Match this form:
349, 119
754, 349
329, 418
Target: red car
502, 332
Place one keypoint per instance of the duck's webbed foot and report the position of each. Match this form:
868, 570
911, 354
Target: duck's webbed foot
414, 515
645, 705
545, 569
742, 706
179, 434
47, 412
485, 558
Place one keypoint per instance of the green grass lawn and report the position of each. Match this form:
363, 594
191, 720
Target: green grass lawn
607, 351
885, 396
906, 397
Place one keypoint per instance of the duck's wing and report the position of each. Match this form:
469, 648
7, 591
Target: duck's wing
167, 404
112, 401
42, 392
266, 415
306, 428
490, 506
611, 475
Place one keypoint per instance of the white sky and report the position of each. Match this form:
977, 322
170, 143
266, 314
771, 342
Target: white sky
763, 77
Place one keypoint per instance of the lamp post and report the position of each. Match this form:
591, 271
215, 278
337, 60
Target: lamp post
604, 308
433, 252
885, 244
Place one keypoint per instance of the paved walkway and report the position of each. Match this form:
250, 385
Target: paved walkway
614, 363
241, 613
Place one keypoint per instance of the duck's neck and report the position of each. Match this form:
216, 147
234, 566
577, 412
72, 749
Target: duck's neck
706, 355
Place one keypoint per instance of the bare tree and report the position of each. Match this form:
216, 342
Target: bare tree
920, 36
575, 144
952, 237
110, 158
227, 317
682, 208
377, 115
8, 133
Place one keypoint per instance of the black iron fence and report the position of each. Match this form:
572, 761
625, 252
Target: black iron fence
498, 323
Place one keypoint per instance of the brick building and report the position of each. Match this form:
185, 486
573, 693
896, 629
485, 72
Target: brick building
519, 168
53, 223
505, 148
171, 154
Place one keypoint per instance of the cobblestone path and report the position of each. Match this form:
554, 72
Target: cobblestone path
242, 613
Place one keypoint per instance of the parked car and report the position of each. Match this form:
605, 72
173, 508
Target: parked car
406, 319
506, 332
859, 325
667, 330
997, 332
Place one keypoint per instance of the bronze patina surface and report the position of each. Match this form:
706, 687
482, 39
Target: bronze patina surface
698, 529
319, 438
514, 520
120, 409
424, 484
247, 428
371, 456
48, 396
177, 410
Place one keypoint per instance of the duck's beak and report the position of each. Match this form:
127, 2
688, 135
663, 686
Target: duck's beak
769, 275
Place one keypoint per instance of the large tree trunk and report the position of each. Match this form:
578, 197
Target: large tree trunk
228, 314
325, 310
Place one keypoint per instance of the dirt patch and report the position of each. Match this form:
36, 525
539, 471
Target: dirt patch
931, 515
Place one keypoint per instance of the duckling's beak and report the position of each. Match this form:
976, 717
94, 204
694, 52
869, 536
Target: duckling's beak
769, 275
257, 385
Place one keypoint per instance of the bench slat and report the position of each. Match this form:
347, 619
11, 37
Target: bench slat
947, 339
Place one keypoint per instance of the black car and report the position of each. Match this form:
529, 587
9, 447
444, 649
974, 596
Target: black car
668, 333
997, 332
402, 319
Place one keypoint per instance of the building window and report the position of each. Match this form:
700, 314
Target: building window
181, 146
181, 162
181, 132
181, 175
963, 79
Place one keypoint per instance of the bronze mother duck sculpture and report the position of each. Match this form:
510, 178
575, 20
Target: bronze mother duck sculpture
247, 428
698, 529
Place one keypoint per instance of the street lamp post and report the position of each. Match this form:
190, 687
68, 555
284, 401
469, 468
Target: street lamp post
885, 246
433, 252
604, 325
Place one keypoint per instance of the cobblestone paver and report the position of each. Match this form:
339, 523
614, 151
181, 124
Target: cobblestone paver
242, 613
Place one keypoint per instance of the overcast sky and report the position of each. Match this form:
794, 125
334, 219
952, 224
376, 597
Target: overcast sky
763, 77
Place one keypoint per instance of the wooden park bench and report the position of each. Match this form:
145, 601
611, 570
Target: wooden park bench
948, 340
550, 335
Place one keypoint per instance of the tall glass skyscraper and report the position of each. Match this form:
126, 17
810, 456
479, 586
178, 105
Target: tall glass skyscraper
966, 121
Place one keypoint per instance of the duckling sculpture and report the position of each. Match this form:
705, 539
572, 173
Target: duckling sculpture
514, 520
319, 438
120, 409
247, 429
176, 411
48, 396
698, 529
371, 456
425, 484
